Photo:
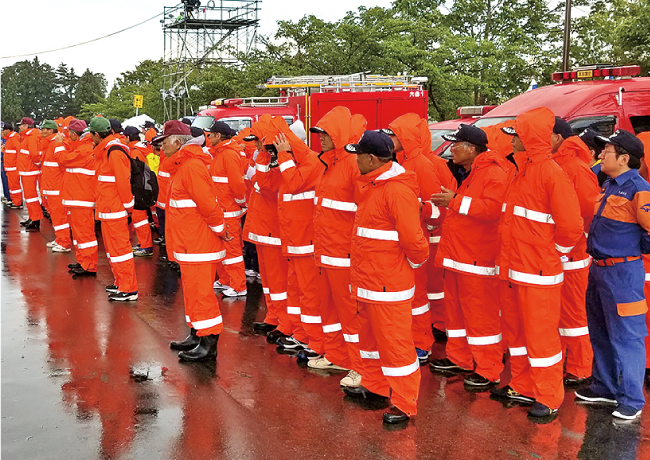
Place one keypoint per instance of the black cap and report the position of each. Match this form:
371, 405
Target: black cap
7, 125
562, 128
373, 142
186, 120
196, 131
149, 124
387, 131
221, 128
468, 133
624, 139
509, 130
116, 126
250, 138
131, 131
588, 136
317, 130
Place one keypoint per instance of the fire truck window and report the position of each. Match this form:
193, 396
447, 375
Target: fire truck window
436, 137
203, 122
238, 123
483, 122
640, 124
289, 120
603, 125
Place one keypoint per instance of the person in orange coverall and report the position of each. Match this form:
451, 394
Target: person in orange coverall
29, 162
195, 230
541, 222
387, 245
11, 149
468, 251
573, 155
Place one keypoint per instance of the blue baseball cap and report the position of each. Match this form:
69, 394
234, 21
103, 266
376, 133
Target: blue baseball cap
373, 142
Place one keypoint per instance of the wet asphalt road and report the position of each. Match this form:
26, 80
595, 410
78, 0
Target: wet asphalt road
83, 378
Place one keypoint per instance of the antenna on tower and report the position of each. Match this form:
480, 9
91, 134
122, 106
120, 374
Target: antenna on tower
197, 34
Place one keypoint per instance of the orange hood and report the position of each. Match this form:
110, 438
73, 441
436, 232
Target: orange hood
264, 129
358, 125
299, 148
498, 141
188, 152
408, 129
337, 123
573, 147
535, 128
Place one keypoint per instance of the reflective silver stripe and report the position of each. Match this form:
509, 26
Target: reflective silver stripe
113, 215
307, 319
286, 165
58, 149
335, 261
85, 172
28, 173
299, 196
265, 239
434, 239
122, 258
300, 249
218, 228
11, 151
535, 279
574, 331
164, 174
468, 268
435, 295
381, 296
263, 168
161, 205
10, 169
563, 249
414, 266
401, 371
485, 340
233, 260
545, 362
240, 201
207, 323
420, 310
464, 205
256, 187
231, 214
371, 233
220, 179
83, 204
51, 192
456, 333
130, 204
338, 205
265, 290
577, 265
518, 351
533, 215
503, 207
199, 257
647, 276
293, 310
24, 151
435, 211
106, 178
187, 319
87, 245
52, 164
61, 227
278, 296
369, 354
32, 200
140, 224
351, 338
15, 191
182, 203
331, 328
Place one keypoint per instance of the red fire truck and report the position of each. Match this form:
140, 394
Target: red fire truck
468, 115
380, 99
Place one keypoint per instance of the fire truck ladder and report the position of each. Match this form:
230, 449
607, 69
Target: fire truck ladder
356, 82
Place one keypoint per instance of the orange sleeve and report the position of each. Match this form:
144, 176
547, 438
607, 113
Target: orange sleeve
121, 164
267, 178
297, 177
586, 186
404, 210
488, 206
233, 166
198, 183
565, 210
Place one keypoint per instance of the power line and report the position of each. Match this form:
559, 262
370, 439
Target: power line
83, 43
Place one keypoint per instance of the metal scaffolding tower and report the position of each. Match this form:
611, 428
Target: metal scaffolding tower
196, 35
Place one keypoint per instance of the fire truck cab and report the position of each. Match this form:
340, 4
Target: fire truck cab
240, 113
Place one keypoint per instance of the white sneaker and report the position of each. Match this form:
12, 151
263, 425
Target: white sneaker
59, 248
230, 292
51, 244
324, 364
352, 380
218, 285
250, 273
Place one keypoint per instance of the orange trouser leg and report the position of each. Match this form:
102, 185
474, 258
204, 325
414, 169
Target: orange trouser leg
457, 347
574, 332
646, 290
420, 308
233, 264
340, 319
435, 290
120, 254
201, 304
389, 358
31, 197
515, 338
306, 276
82, 224
273, 270
293, 303
13, 179
59, 220
142, 228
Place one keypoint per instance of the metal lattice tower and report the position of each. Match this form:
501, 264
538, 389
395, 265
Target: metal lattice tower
198, 35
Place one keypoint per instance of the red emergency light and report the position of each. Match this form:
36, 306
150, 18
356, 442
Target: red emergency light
470, 111
231, 102
597, 71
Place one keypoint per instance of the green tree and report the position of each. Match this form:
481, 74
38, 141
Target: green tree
66, 84
34, 85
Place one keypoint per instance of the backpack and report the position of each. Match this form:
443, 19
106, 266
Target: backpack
144, 184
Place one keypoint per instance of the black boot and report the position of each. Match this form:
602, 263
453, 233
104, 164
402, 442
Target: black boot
26, 222
206, 349
191, 341
34, 225
262, 328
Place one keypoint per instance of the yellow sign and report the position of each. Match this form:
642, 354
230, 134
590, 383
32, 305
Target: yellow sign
137, 101
585, 73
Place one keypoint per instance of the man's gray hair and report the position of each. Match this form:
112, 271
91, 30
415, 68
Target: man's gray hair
182, 138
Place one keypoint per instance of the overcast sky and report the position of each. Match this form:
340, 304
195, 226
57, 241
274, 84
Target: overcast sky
39, 25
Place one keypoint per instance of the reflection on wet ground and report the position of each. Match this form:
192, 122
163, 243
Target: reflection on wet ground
86, 379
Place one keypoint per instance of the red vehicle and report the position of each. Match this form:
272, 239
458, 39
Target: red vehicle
241, 113
468, 115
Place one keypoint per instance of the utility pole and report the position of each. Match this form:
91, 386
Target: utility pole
567, 37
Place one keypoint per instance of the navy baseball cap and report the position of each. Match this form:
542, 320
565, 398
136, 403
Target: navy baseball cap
131, 131
624, 139
468, 133
221, 128
562, 128
116, 126
588, 136
196, 131
373, 142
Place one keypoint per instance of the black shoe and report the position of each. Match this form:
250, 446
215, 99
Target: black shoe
163, 258
289, 343
112, 289
274, 335
79, 271
262, 328
571, 380
13, 206
446, 365
508, 393
206, 349
33, 225
159, 240
587, 395
363, 393
72, 266
26, 222
190, 342
307, 354
476, 380
395, 416
539, 410
123, 296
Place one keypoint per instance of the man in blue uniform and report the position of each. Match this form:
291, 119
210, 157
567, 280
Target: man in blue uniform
616, 305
